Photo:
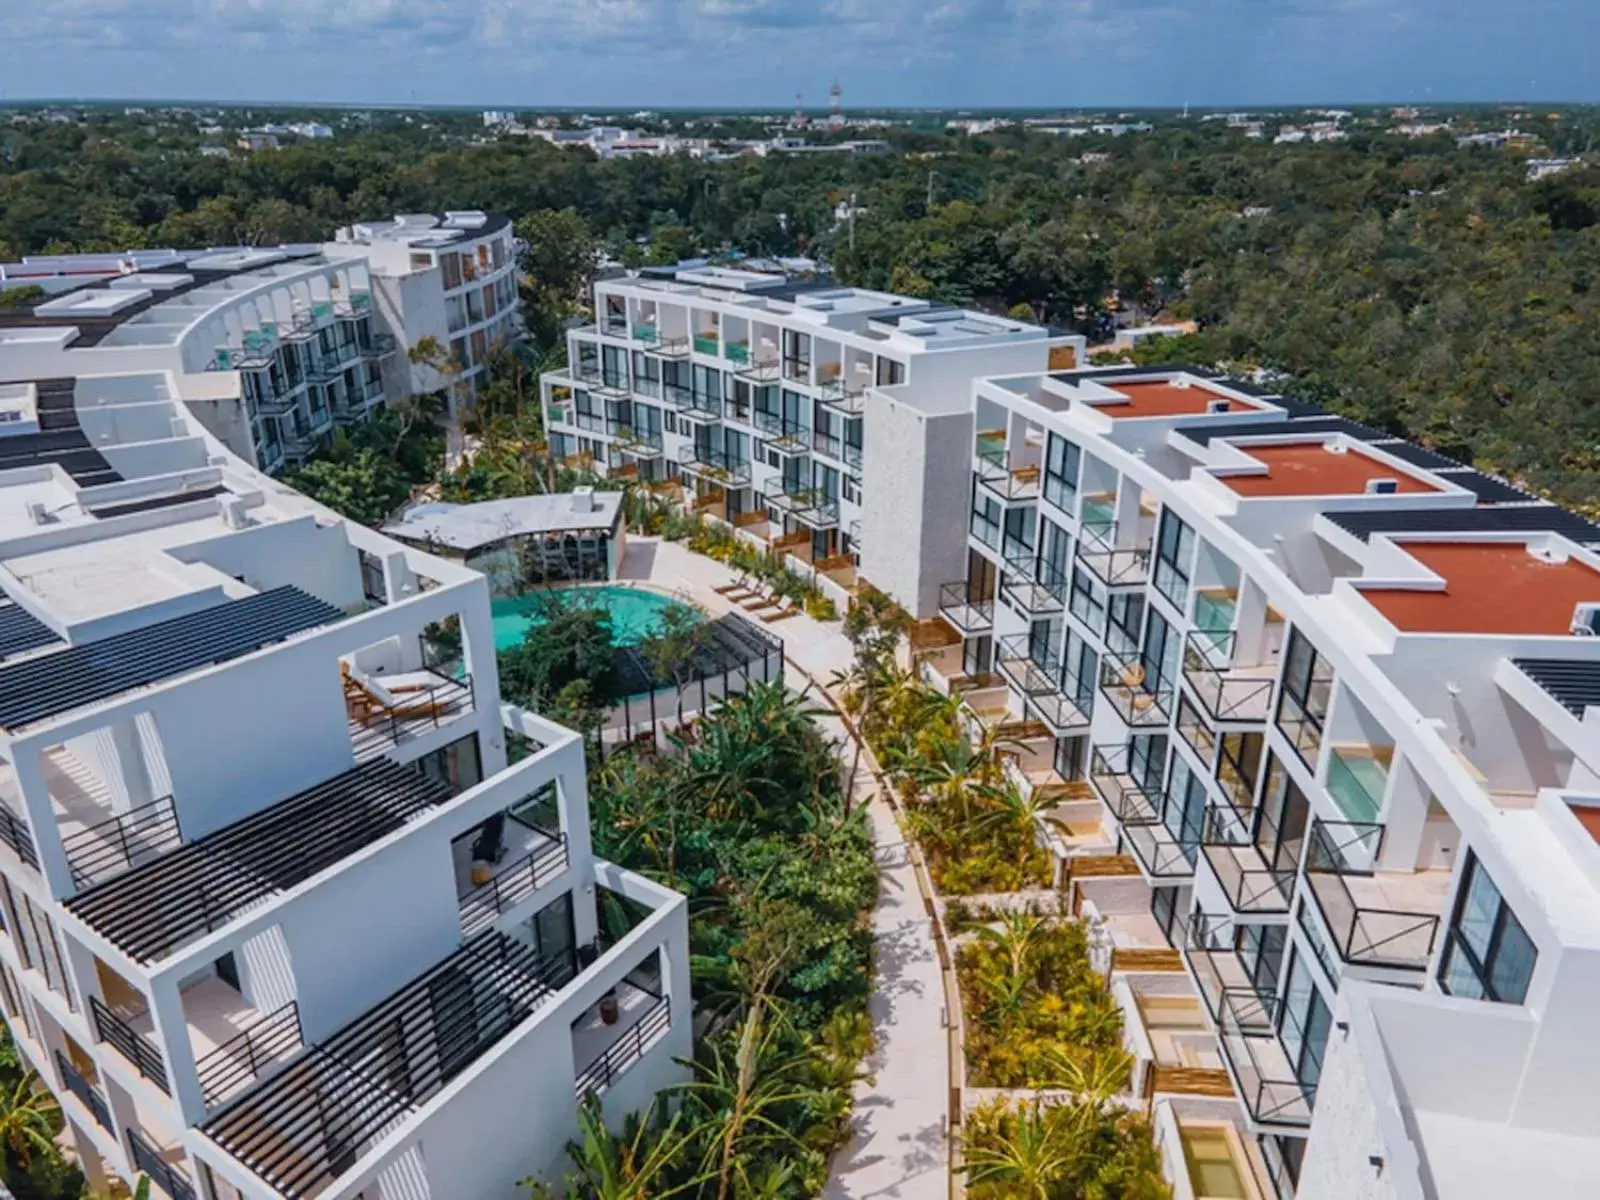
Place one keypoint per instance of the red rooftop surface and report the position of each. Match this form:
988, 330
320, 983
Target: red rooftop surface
1589, 817
1490, 587
1157, 398
1312, 469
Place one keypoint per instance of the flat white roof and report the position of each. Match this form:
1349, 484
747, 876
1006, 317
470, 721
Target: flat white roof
468, 527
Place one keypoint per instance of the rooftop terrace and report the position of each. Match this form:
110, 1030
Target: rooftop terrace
1318, 469
1499, 588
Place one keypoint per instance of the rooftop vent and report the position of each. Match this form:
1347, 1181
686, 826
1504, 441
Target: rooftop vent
583, 500
1382, 487
1548, 553
232, 509
38, 513
1218, 405
1586, 620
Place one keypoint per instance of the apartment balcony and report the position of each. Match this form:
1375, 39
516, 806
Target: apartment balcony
759, 370
16, 835
504, 861
1251, 885
1375, 918
108, 846
87, 1093
451, 1016
1011, 482
716, 467
666, 347
643, 444
647, 332
1039, 683
154, 1161
201, 886
842, 395
1122, 785
644, 1017
388, 710
1215, 966
789, 438
379, 346
612, 387
1163, 856
737, 352
1228, 692
1123, 683
708, 344
970, 616
1032, 586
1262, 1071
812, 509
1114, 565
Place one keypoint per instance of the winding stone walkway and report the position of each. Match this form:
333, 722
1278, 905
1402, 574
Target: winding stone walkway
898, 1148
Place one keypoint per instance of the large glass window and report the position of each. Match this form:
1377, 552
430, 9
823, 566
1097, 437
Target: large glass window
1124, 622
1239, 767
1174, 552
1061, 472
1020, 527
1284, 813
1088, 601
797, 356
1161, 653
1184, 809
1487, 955
1306, 1021
985, 519
1303, 703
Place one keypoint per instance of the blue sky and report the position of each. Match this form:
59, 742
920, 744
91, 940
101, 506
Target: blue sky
942, 53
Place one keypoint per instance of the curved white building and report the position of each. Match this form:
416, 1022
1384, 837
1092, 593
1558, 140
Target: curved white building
293, 905
1314, 704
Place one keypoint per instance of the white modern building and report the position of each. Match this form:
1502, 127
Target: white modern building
293, 905
447, 276
271, 348
1315, 707
832, 423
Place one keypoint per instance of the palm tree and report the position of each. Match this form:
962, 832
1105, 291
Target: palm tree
1025, 1153
27, 1120
632, 1165
1093, 1078
1015, 940
736, 1097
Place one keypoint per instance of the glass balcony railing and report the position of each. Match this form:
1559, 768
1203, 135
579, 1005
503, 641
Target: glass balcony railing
1035, 587
716, 466
1112, 564
737, 353
706, 343
1251, 885
790, 437
1228, 692
999, 473
967, 615
1125, 786
808, 507
1366, 925
1259, 1062
1036, 673
1162, 854
1137, 702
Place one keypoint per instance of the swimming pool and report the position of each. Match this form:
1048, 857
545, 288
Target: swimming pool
635, 613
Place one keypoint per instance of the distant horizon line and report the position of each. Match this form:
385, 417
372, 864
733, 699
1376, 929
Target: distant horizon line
762, 110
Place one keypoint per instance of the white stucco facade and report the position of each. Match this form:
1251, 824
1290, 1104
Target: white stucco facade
293, 905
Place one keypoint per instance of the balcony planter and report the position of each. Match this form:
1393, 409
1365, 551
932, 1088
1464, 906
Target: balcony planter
610, 1011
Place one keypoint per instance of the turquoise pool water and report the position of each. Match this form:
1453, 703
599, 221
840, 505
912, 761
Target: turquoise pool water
635, 613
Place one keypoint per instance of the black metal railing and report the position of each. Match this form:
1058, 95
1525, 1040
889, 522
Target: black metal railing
1226, 694
516, 883
1124, 683
78, 1084
1034, 586
1249, 882
112, 846
1163, 854
1338, 852
242, 1058
15, 833
812, 507
997, 474
132, 1045
627, 1050
967, 615
1207, 947
1111, 564
790, 437
1130, 797
759, 370
412, 714
716, 466
1250, 1043
163, 1174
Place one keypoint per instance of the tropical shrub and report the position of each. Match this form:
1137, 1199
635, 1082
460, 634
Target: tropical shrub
1036, 1151
1037, 1013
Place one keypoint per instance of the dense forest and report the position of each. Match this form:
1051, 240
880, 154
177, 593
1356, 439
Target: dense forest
1411, 283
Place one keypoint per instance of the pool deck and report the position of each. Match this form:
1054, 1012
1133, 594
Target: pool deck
897, 1148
